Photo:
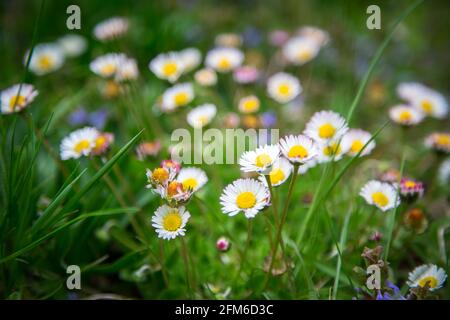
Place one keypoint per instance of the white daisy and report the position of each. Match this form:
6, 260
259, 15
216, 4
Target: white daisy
283, 87
298, 149
46, 58
260, 160
111, 28
439, 141
355, 139
430, 275
127, 70
107, 65
281, 170
17, 97
192, 178
332, 150
325, 126
315, 34
300, 50
224, 59
78, 143
73, 45
201, 115
177, 96
380, 194
405, 115
168, 66
246, 195
206, 77
306, 166
191, 59
424, 99
169, 222
249, 104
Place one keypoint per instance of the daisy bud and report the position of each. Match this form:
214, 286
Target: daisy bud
223, 244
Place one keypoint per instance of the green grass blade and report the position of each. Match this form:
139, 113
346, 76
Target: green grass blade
342, 241
64, 226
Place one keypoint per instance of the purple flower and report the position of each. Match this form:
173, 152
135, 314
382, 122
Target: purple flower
252, 36
98, 118
78, 117
268, 119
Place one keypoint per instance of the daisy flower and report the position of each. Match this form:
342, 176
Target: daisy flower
102, 143
283, 87
17, 97
46, 58
439, 141
246, 195
325, 126
177, 96
192, 178
107, 65
331, 150
158, 176
171, 165
249, 104
281, 170
224, 59
167, 66
416, 220
380, 194
169, 222
111, 28
206, 77
260, 160
317, 35
300, 50
148, 148
79, 143
174, 193
246, 74
127, 70
73, 45
427, 275
411, 189
355, 139
201, 115
424, 99
405, 115
190, 58
298, 149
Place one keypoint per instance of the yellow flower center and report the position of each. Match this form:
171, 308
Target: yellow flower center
181, 98
332, 149
203, 120
410, 184
327, 130
250, 105
100, 142
443, 140
81, 146
304, 55
284, 89
190, 183
172, 221
16, 101
380, 199
276, 176
405, 115
45, 62
263, 160
431, 280
246, 200
357, 145
170, 69
160, 175
297, 152
108, 69
427, 106
224, 64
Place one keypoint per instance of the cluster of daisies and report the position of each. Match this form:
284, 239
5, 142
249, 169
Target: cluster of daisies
325, 138
420, 102
175, 186
87, 141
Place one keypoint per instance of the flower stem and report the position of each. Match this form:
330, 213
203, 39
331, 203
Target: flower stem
162, 262
247, 246
184, 253
280, 226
